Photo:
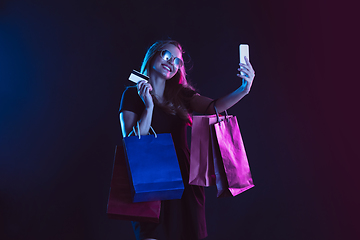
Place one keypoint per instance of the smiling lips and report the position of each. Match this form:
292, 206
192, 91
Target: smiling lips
166, 67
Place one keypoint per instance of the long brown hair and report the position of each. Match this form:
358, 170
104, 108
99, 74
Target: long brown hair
175, 87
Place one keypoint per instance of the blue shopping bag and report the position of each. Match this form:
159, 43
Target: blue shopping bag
153, 168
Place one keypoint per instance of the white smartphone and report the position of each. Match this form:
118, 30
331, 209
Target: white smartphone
135, 77
243, 51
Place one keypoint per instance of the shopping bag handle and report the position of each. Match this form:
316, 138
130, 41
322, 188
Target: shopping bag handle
138, 130
217, 113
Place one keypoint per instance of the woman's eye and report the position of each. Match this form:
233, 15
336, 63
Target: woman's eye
167, 56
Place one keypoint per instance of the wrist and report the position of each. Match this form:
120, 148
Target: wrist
149, 107
242, 89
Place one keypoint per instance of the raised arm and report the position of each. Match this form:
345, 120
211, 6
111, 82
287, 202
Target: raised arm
200, 103
128, 119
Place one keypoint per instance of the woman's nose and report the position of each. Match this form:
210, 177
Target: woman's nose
171, 60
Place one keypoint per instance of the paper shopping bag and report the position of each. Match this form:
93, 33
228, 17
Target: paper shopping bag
120, 205
201, 155
231, 165
153, 168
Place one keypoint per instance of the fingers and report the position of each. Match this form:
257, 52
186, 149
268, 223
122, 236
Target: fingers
141, 84
247, 73
248, 63
247, 66
246, 77
143, 88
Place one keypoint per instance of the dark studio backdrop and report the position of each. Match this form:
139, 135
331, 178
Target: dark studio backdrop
64, 65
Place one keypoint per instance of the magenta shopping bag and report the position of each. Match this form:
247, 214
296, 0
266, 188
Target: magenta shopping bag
231, 165
120, 205
218, 155
201, 155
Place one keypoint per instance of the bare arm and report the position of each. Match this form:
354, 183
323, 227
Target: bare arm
128, 119
200, 104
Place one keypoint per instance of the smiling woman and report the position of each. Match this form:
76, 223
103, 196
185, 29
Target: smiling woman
166, 103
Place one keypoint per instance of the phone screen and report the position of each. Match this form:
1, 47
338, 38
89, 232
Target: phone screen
244, 51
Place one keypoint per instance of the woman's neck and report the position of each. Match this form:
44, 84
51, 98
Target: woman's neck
158, 84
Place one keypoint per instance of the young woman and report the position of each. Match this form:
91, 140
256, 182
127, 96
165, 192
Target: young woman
166, 103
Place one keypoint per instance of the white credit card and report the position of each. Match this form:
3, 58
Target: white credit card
135, 77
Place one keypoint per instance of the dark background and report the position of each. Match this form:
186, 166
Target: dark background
64, 65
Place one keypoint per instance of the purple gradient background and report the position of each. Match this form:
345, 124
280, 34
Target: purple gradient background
64, 65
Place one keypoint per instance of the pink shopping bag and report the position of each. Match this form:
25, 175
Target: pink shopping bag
231, 166
201, 155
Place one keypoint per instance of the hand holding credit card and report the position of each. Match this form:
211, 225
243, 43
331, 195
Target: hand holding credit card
136, 77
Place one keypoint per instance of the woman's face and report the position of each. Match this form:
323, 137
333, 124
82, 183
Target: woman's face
166, 68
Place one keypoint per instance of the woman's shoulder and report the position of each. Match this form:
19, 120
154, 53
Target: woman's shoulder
188, 92
130, 91
131, 101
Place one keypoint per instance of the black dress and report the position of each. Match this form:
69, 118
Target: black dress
181, 218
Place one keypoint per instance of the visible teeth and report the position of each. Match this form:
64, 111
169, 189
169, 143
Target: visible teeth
167, 67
